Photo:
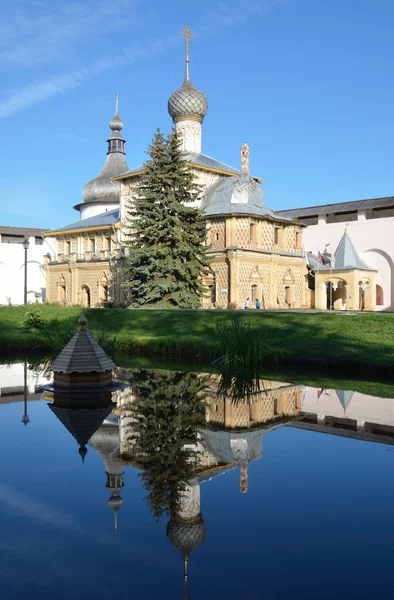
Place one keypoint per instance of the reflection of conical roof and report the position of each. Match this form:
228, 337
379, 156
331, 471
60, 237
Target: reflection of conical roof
81, 422
82, 354
232, 447
186, 535
345, 397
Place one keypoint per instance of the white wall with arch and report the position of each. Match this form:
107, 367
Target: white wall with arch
374, 242
12, 270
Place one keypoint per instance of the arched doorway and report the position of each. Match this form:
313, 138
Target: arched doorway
103, 289
330, 295
379, 296
62, 291
84, 296
361, 295
339, 295
383, 263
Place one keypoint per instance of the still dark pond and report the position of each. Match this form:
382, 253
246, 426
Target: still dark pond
186, 493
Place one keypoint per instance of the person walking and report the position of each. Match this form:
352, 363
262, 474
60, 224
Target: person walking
247, 304
257, 304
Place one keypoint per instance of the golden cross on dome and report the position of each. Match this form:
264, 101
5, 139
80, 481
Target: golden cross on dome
187, 34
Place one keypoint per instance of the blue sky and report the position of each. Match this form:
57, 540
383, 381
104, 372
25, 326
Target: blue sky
306, 83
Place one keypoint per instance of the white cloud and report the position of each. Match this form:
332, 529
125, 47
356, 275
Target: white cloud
46, 37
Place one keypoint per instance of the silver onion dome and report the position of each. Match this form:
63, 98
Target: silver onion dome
186, 535
101, 188
116, 123
187, 103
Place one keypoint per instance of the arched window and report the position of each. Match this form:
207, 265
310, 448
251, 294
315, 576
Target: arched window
212, 292
288, 295
252, 230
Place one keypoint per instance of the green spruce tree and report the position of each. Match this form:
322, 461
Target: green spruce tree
166, 254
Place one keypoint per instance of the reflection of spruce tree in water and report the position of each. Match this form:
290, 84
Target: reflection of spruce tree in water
168, 413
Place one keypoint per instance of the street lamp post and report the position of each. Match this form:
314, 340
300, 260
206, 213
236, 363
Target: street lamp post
25, 245
25, 418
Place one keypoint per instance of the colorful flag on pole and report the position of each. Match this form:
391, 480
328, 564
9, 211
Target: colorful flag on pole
321, 258
319, 393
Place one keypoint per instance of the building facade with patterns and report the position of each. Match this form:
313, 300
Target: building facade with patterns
256, 253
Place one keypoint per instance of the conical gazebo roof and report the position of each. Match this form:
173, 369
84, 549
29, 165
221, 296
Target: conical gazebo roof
82, 354
346, 256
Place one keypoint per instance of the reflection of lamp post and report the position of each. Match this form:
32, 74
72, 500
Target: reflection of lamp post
25, 418
25, 245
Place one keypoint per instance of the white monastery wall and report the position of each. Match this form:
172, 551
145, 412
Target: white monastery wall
360, 408
373, 240
12, 379
12, 272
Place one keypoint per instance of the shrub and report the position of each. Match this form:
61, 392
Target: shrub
33, 320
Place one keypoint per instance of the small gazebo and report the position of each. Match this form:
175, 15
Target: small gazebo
82, 364
82, 386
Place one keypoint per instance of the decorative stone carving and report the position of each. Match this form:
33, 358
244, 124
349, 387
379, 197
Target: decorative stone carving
190, 132
245, 158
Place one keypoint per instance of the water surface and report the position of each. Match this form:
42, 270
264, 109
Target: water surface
287, 494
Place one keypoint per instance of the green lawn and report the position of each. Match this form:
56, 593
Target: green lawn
364, 341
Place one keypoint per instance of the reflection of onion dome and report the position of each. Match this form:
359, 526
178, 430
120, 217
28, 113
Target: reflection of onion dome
187, 103
106, 442
186, 535
115, 503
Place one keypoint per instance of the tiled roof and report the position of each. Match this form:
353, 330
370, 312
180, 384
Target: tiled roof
104, 219
200, 160
340, 207
21, 231
82, 354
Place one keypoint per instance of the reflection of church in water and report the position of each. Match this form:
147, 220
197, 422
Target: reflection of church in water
232, 438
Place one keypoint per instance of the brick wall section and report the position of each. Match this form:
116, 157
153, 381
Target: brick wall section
271, 404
